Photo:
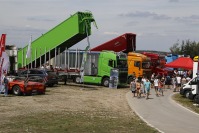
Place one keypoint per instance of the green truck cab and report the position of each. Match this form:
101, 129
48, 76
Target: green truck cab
98, 66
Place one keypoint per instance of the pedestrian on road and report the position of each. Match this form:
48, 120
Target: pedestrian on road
167, 82
179, 81
160, 86
174, 83
142, 89
156, 86
147, 86
138, 86
133, 87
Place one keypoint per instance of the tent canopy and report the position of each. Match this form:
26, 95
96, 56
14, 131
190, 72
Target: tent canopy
182, 62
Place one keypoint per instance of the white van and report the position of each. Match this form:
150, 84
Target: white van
190, 85
193, 92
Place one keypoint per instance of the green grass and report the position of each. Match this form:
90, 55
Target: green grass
76, 122
186, 102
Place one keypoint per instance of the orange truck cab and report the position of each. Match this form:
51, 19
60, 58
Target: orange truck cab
138, 66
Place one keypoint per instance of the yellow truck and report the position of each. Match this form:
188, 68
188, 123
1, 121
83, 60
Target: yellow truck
139, 66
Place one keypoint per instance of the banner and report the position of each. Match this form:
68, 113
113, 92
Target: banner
2, 44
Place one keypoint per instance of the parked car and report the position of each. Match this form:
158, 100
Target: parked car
50, 76
21, 85
187, 88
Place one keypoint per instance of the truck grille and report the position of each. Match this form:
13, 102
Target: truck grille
123, 77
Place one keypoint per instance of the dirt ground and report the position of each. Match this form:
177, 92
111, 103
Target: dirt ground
66, 97
96, 100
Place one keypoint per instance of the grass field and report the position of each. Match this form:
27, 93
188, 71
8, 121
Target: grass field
186, 102
71, 109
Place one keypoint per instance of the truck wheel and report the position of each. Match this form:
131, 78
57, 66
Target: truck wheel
16, 90
51, 85
186, 94
196, 99
78, 80
105, 82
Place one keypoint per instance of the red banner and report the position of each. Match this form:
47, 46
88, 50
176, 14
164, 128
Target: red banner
2, 43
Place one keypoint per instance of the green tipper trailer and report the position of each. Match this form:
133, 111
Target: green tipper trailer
66, 34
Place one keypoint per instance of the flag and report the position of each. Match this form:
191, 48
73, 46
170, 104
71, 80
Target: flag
2, 43
28, 53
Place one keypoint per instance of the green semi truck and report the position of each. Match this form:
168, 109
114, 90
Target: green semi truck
96, 67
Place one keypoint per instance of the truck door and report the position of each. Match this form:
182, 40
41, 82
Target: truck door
137, 67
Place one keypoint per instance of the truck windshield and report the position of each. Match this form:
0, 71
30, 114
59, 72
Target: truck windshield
122, 64
146, 65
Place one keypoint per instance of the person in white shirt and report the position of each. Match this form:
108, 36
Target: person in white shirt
156, 86
178, 79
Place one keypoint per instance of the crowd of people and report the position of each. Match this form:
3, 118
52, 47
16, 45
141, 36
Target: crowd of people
141, 87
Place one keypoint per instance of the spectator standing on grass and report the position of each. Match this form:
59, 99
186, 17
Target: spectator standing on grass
156, 86
133, 87
5, 82
147, 86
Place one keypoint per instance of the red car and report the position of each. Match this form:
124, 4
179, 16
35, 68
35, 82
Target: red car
26, 86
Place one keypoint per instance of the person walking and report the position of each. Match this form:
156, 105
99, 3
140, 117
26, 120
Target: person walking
147, 86
174, 82
138, 86
167, 82
160, 87
179, 80
5, 82
142, 90
133, 87
156, 85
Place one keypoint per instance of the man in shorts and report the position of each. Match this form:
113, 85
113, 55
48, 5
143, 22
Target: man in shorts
147, 86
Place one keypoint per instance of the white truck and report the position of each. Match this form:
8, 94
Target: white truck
194, 93
188, 87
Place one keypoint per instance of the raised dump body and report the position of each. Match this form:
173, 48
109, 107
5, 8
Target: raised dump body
124, 43
66, 34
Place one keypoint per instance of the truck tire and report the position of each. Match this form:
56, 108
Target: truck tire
105, 82
186, 94
196, 99
16, 90
78, 79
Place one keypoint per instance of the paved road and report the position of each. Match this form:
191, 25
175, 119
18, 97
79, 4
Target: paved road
164, 114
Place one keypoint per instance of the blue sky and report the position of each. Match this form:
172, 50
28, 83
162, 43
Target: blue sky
158, 23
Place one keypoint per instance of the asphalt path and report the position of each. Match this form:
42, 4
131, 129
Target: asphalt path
164, 114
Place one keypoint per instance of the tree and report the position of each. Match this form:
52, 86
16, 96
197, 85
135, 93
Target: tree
187, 47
